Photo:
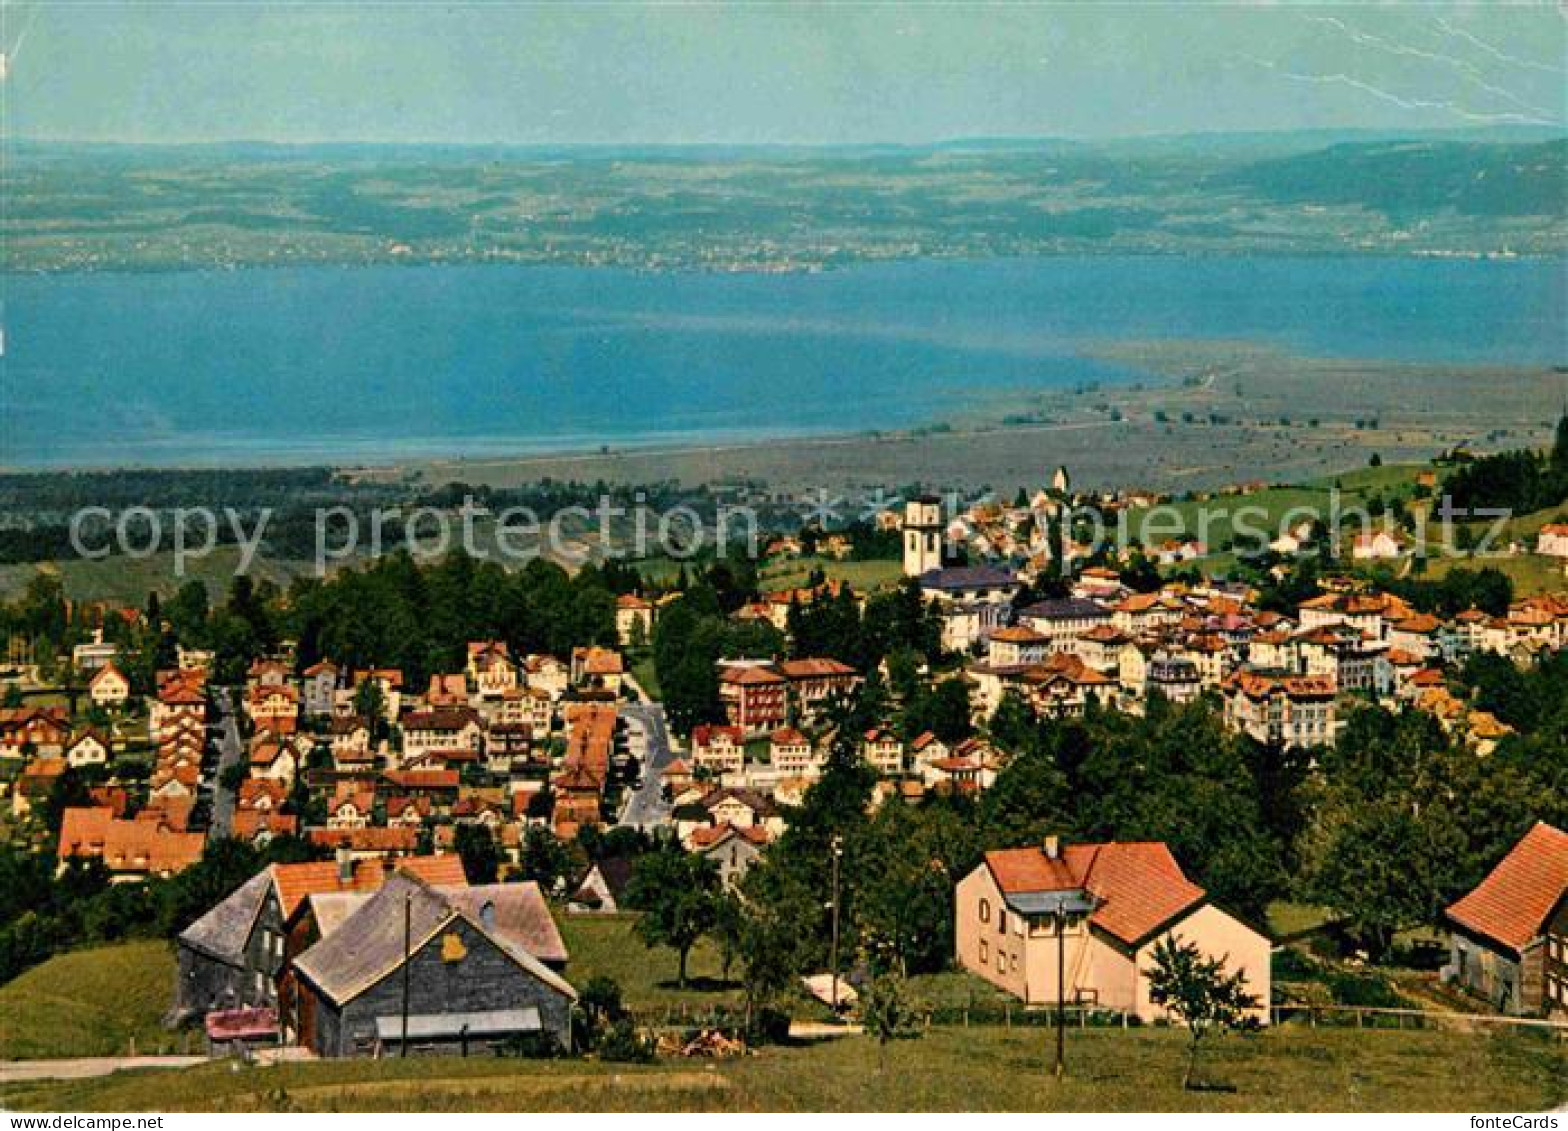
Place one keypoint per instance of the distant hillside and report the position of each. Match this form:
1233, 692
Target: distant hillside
787, 208
1414, 177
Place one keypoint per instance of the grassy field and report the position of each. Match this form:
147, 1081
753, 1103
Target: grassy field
948, 1069
92, 1002
605, 945
1529, 573
95, 1002
1267, 509
863, 576
129, 580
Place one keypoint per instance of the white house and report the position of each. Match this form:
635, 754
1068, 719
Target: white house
109, 687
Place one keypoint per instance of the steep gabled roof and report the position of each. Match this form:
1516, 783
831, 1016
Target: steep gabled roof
1512, 903
223, 931
520, 912
369, 944
1139, 887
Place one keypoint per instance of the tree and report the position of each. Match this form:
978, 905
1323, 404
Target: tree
678, 896
905, 866
601, 1006
772, 941
225, 864
1386, 844
370, 704
545, 859
477, 850
885, 1013
729, 928
944, 711
69, 791
1198, 991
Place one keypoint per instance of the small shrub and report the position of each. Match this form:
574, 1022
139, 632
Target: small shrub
623, 1044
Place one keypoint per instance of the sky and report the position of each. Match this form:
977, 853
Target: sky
682, 73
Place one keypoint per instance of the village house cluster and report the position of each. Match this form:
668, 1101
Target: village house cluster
1282, 676
506, 741
382, 943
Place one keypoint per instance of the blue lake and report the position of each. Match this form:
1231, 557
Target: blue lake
380, 363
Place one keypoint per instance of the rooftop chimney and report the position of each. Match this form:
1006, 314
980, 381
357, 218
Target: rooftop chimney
345, 866
1053, 847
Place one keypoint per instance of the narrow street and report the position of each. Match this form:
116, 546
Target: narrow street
646, 807
230, 751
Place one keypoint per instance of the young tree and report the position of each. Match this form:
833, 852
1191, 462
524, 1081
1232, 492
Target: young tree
678, 895
886, 1013
602, 1008
1198, 991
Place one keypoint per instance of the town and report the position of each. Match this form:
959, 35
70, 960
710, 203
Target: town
379, 814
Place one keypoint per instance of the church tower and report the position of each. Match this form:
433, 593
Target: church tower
922, 536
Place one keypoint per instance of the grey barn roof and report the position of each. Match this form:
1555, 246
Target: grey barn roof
521, 915
222, 932
368, 945
332, 908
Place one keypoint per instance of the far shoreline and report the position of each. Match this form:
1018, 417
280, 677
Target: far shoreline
806, 268
1207, 413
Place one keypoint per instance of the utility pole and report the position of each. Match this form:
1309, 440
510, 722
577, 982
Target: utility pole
838, 852
408, 930
1061, 997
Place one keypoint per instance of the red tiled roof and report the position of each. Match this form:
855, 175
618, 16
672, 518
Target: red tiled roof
752, 673
1140, 887
815, 668
712, 835
374, 838
297, 882
1512, 903
423, 779
250, 823
705, 733
127, 846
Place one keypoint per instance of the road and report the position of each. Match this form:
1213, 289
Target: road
230, 751
15, 1071
84, 1067
645, 807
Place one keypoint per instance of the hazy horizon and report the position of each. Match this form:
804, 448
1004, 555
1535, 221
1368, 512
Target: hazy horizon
807, 76
1526, 133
